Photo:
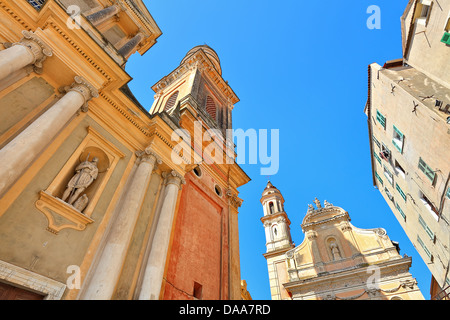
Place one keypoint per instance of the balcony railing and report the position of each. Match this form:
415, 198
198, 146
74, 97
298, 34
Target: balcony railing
443, 295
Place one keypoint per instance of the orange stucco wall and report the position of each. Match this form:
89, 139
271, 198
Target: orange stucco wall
199, 250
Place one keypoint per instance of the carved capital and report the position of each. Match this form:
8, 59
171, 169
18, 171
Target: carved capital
83, 87
346, 227
311, 235
173, 177
233, 199
148, 156
38, 48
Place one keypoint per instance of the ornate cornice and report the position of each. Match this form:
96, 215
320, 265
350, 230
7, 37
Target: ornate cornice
14, 15
409, 284
391, 269
75, 45
307, 225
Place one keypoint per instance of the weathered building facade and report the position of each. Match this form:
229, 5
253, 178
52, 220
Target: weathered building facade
94, 200
335, 261
408, 111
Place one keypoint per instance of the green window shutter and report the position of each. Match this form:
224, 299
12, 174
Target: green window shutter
398, 139
381, 119
426, 170
379, 178
401, 211
376, 141
424, 247
377, 157
446, 38
426, 228
448, 193
400, 191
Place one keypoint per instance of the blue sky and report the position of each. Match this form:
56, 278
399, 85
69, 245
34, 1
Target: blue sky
300, 67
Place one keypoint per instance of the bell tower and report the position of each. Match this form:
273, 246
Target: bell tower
278, 238
197, 81
275, 220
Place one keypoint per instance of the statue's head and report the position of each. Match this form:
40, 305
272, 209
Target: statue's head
95, 160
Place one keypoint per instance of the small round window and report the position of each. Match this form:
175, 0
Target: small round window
218, 190
197, 171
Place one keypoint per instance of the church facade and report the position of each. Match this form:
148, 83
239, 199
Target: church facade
336, 260
96, 201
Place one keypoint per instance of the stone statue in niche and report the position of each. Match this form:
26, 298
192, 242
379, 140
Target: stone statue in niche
335, 251
85, 173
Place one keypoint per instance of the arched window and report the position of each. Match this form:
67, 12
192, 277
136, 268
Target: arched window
271, 208
211, 107
171, 101
275, 231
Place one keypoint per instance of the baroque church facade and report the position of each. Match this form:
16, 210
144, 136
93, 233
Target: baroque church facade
93, 203
335, 261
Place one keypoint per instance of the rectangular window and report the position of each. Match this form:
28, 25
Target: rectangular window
428, 204
424, 247
425, 6
379, 178
388, 175
400, 191
389, 194
401, 211
381, 119
400, 171
385, 152
426, 228
377, 157
427, 170
398, 139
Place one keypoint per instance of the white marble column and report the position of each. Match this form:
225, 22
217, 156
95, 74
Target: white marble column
30, 50
154, 270
20, 152
104, 277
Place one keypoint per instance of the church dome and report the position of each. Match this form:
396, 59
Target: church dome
210, 53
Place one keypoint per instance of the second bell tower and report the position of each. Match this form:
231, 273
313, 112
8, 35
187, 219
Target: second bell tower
275, 220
